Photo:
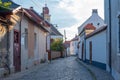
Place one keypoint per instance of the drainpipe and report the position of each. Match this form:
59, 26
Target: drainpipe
85, 46
20, 32
110, 36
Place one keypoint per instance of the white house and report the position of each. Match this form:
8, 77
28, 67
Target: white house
94, 19
96, 47
74, 46
82, 43
112, 19
93, 22
67, 48
26, 42
29, 48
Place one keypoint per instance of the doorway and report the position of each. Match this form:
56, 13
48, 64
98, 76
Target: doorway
16, 49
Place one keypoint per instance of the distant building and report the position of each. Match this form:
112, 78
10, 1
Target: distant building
67, 48
54, 33
45, 14
73, 46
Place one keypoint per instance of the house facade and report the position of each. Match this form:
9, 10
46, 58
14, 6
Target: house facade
31, 48
27, 43
92, 23
89, 28
113, 39
96, 47
67, 48
73, 46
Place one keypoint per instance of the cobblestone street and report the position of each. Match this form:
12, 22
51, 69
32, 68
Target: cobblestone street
60, 69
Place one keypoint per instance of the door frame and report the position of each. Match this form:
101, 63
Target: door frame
82, 51
90, 52
16, 63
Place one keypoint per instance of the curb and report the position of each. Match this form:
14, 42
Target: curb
90, 71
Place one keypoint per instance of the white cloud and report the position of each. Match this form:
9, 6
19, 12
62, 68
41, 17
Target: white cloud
80, 10
68, 13
70, 31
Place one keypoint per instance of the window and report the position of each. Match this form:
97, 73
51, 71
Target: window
35, 40
26, 38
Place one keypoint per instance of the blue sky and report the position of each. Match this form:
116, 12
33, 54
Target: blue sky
67, 14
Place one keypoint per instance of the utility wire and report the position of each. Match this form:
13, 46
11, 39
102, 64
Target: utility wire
35, 3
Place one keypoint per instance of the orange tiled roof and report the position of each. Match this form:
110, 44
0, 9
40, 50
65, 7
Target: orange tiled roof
90, 26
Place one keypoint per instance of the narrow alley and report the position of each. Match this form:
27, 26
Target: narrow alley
60, 69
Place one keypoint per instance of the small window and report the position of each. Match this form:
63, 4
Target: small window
26, 38
35, 40
98, 24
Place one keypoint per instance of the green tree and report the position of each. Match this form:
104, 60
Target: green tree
57, 45
5, 4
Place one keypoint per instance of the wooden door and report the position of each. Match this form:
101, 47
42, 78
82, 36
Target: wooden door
90, 50
16, 49
82, 50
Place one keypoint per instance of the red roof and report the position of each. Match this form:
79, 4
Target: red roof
37, 17
66, 44
75, 38
96, 31
90, 26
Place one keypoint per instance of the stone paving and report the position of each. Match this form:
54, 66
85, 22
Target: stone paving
62, 69
99, 74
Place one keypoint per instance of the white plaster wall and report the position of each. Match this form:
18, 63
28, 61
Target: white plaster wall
24, 51
115, 8
82, 41
42, 44
68, 51
48, 41
40, 49
73, 47
36, 49
98, 47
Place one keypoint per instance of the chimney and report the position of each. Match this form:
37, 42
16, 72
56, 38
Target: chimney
31, 8
94, 11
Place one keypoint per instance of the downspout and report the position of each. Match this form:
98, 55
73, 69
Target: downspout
85, 45
110, 36
20, 32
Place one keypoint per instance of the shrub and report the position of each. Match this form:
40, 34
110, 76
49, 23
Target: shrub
57, 45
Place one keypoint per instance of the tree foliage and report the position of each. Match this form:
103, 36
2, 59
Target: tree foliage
57, 45
5, 4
